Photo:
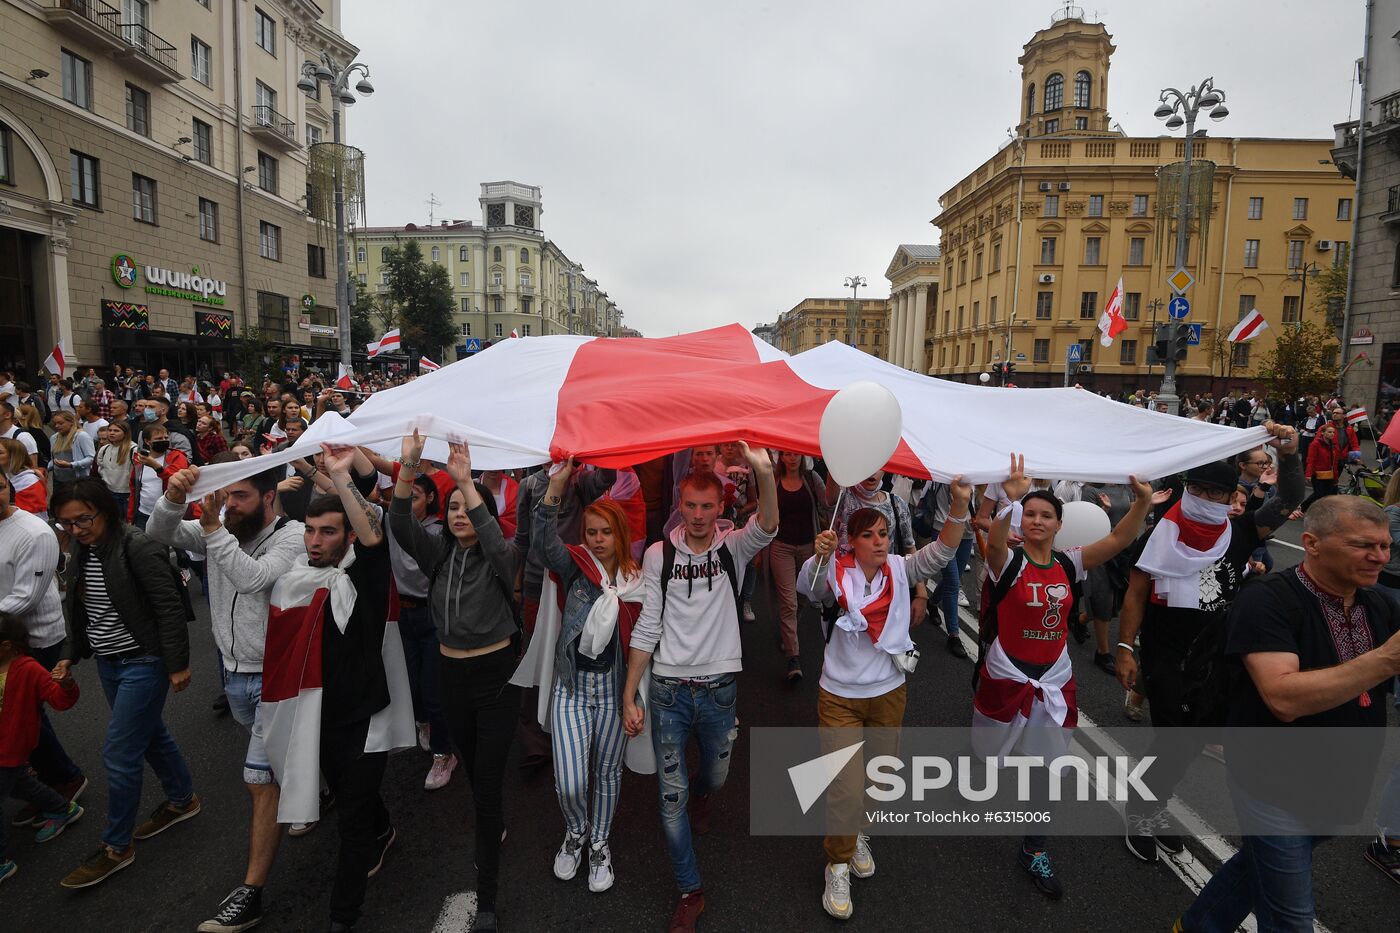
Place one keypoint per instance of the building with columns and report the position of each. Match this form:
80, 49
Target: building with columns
1036, 238
815, 321
153, 172
913, 274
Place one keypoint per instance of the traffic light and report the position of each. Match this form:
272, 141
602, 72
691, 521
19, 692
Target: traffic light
1180, 337
1010, 370
1160, 350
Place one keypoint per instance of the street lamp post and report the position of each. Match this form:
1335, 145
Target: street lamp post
337, 79
854, 283
1177, 108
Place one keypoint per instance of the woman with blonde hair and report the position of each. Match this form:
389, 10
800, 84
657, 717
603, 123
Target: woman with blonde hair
114, 462
73, 449
27, 490
32, 423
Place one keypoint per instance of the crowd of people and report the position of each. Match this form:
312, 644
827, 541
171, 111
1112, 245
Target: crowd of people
464, 611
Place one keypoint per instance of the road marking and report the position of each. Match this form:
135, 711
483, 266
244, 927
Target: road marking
1186, 867
458, 913
1296, 547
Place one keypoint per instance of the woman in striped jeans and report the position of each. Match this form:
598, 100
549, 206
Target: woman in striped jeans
601, 590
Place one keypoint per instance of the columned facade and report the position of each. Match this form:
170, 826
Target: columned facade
913, 274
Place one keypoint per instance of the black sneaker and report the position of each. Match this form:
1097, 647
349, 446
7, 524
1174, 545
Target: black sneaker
241, 910
1385, 857
386, 839
1141, 834
794, 671
956, 647
1104, 662
1043, 873
1080, 631
1172, 845
220, 705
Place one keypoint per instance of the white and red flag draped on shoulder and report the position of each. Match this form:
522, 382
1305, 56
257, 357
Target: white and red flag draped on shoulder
426, 364
1249, 327
55, 363
1356, 416
615, 403
344, 381
1112, 322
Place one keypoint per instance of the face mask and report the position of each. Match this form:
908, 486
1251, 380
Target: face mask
159, 447
148, 414
1199, 509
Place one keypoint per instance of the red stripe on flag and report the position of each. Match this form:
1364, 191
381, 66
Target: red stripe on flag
293, 650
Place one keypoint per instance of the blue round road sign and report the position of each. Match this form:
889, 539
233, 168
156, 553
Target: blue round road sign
1178, 308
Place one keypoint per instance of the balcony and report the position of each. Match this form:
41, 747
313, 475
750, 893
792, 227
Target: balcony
496, 288
148, 54
527, 289
98, 24
1392, 206
270, 126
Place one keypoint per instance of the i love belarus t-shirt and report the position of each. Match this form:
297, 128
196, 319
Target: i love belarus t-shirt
1033, 618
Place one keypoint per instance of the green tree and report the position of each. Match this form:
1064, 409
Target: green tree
1302, 362
420, 294
1330, 291
369, 318
255, 352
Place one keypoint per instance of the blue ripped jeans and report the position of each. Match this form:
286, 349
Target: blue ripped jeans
680, 709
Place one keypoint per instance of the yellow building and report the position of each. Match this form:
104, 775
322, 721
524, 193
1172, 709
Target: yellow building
506, 275
913, 274
815, 321
1035, 239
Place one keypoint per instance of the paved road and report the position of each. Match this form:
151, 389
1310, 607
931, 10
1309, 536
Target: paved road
753, 883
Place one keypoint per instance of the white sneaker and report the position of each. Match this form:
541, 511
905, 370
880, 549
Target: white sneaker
748, 612
836, 898
963, 600
567, 860
441, 772
862, 863
600, 873
424, 734
300, 829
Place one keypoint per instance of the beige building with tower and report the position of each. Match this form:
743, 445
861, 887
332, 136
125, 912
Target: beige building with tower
815, 321
506, 274
153, 179
1035, 239
913, 275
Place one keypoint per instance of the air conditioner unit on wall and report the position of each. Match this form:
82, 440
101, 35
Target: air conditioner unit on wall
1064, 186
1086, 367
1046, 278
1324, 245
1046, 186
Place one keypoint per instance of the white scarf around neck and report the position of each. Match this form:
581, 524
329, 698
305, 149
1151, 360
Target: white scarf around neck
303, 579
602, 615
894, 638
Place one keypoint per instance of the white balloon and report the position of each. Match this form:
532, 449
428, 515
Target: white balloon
1083, 523
860, 431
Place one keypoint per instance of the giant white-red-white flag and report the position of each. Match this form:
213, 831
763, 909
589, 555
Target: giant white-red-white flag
1111, 322
55, 363
1249, 327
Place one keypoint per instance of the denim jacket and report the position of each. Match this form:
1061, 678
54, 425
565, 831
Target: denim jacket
581, 592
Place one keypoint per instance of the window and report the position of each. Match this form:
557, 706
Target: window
86, 180
437, 254
1256, 208
977, 266
1086, 351
1137, 250
466, 326
1246, 305
1344, 208
1251, 254
1054, 92
203, 137
942, 357
1083, 83
201, 62
1132, 306
1052, 126
496, 254
264, 103
1092, 248
497, 277
1044, 305
1081, 123
383, 276
957, 355
269, 241
466, 308
384, 254
1340, 254
1030, 100
1047, 251
525, 328
267, 172
264, 32
525, 257
1240, 356
961, 319
463, 254
1052, 206
7, 159
1295, 254
1292, 309
274, 318
992, 310
996, 257
498, 305
1300, 208
313, 135
77, 80
464, 279
525, 280
364, 278
1127, 353
360, 254
1139, 205
143, 199
138, 110
208, 220
976, 314
1095, 205
962, 271
1089, 306
315, 261
948, 319
498, 327
1041, 353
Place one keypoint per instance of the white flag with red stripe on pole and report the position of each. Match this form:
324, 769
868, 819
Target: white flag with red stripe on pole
390, 341
1356, 416
55, 363
1111, 322
514, 333
427, 364
1249, 327
344, 381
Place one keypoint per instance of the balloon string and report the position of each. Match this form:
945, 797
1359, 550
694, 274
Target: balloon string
820, 565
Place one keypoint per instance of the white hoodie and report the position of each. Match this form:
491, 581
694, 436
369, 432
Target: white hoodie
699, 635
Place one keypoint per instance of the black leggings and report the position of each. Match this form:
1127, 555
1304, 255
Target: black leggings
481, 710
1320, 488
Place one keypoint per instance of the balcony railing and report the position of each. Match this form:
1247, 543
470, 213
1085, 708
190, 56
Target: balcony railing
151, 45
94, 13
269, 122
100, 24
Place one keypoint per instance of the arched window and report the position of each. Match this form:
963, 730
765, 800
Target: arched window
437, 254
496, 254
359, 254
525, 256
1083, 83
1030, 101
1054, 92
463, 254
384, 254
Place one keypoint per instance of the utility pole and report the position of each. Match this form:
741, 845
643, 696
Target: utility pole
854, 283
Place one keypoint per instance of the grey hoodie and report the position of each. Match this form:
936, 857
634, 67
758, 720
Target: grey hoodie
469, 593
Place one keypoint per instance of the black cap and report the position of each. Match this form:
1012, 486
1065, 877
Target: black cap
1216, 475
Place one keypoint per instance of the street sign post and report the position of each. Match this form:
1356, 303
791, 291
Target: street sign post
1178, 308
1181, 280
1074, 353
1195, 339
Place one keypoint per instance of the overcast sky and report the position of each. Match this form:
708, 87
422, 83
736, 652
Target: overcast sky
718, 161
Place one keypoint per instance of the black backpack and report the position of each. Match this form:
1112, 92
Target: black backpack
993, 592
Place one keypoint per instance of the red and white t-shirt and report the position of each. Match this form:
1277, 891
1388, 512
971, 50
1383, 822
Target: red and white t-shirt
1033, 618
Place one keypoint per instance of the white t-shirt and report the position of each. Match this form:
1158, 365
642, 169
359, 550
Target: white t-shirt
7, 391
25, 438
93, 429
151, 488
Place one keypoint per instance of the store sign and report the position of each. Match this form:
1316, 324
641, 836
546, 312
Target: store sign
324, 330
190, 286
1362, 337
123, 315
308, 302
213, 324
